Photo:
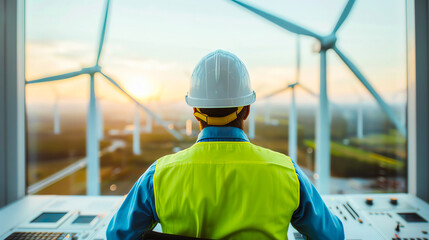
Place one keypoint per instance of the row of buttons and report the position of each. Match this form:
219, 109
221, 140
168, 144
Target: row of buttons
370, 201
409, 238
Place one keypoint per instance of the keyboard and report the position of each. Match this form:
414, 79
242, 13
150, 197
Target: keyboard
42, 236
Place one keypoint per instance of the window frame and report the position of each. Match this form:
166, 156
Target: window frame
12, 102
418, 100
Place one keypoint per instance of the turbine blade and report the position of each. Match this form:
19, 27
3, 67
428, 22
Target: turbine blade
275, 93
308, 90
384, 106
103, 32
344, 15
285, 24
159, 120
57, 77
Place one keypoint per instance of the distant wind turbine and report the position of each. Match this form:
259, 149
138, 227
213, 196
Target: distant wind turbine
100, 124
325, 43
148, 124
267, 117
136, 134
92, 130
359, 115
293, 122
156, 98
359, 127
57, 124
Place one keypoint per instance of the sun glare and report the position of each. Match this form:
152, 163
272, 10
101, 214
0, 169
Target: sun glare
141, 88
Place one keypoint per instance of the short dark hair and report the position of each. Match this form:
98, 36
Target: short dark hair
221, 112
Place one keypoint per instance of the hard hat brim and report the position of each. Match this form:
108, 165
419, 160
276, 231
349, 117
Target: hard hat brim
221, 103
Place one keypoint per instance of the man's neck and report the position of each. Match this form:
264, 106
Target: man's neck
202, 127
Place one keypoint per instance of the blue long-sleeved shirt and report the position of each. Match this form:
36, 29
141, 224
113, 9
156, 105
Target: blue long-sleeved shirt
137, 213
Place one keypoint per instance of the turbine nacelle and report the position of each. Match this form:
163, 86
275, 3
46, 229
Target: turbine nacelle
328, 42
292, 85
92, 70
325, 43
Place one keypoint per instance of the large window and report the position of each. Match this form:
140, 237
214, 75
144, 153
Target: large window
150, 50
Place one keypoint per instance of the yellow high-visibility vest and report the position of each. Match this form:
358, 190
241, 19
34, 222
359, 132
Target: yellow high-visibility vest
226, 190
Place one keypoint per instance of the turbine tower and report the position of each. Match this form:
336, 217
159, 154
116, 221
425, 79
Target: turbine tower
57, 117
100, 125
267, 117
323, 124
359, 128
92, 131
136, 135
156, 98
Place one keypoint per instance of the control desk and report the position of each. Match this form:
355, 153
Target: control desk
364, 216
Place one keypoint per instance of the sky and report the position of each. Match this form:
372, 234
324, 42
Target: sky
151, 47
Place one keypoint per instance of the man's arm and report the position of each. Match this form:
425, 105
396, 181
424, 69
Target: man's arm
137, 213
313, 218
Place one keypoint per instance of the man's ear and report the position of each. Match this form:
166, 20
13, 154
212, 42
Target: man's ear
247, 109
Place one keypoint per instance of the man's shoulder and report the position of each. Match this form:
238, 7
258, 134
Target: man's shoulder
254, 151
174, 157
271, 153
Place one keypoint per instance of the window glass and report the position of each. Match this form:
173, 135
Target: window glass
150, 50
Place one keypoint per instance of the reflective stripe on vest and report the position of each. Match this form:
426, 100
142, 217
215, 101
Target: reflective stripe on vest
226, 190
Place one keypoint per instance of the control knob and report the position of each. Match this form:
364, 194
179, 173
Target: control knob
394, 201
369, 201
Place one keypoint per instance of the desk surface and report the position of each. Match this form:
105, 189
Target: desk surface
369, 216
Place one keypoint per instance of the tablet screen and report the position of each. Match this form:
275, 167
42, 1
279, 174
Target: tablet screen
84, 219
49, 217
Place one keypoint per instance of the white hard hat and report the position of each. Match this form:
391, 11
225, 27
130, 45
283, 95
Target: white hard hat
220, 80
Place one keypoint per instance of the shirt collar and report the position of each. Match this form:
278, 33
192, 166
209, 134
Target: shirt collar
217, 134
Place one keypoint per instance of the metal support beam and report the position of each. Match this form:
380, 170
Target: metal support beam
293, 129
323, 153
12, 97
136, 132
3, 60
92, 147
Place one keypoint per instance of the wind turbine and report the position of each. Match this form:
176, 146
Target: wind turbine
148, 124
136, 133
293, 122
57, 124
359, 115
402, 105
156, 98
267, 118
359, 127
327, 42
100, 124
92, 144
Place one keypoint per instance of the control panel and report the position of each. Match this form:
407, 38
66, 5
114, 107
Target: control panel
379, 216
58, 217
372, 217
